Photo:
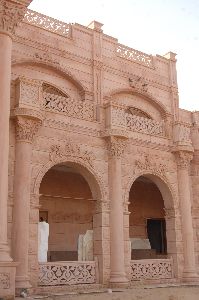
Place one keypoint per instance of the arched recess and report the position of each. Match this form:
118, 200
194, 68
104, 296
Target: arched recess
55, 67
158, 110
168, 213
98, 191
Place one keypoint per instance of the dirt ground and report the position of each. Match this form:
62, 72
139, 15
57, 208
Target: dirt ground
137, 293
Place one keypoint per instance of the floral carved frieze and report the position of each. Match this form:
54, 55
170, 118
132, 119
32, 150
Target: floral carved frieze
73, 108
70, 149
4, 281
148, 164
11, 14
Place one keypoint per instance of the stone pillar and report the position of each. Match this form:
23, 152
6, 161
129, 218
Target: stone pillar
11, 14
26, 127
183, 162
117, 264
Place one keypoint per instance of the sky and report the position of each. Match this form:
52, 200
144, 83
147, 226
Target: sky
151, 26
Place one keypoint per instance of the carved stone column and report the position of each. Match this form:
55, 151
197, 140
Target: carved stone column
11, 14
183, 162
26, 127
117, 265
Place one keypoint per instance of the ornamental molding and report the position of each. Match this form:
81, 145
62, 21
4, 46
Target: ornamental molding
11, 14
26, 128
116, 146
28, 113
183, 159
70, 149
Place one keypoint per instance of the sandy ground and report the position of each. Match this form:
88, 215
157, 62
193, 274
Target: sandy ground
140, 293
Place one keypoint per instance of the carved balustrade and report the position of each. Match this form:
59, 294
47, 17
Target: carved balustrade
144, 125
47, 23
73, 108
151, 269
118, 117
135, 55
67, 273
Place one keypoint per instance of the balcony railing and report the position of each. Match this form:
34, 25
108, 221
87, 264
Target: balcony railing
135, 55
67, 273
151, 269
48, 23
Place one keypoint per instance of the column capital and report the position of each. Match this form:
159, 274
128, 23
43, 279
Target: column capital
26, 128
116, 146
183, 159
11, 14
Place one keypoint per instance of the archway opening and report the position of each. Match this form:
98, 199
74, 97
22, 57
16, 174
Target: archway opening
67, 204
147, 226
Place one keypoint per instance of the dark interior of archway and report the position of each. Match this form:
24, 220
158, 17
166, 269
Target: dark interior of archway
147, 228
67, 205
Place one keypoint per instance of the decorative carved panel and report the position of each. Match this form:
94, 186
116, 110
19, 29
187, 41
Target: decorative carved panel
151, 269
4, 281
67, 273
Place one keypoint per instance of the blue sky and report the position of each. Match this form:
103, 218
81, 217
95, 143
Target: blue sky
151, 26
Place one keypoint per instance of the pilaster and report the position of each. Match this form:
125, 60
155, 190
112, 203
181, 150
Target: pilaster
183, 159
11, 14
27, 125
116, 146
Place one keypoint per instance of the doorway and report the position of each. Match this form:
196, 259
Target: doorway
156, 231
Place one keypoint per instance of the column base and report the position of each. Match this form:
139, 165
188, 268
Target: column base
22, 282
118, 279
7, 280
190, 276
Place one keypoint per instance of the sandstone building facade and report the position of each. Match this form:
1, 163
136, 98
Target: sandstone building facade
92, 138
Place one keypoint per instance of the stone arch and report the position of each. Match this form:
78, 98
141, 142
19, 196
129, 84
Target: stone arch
93, 179
55, 67
145, 95
161, 182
